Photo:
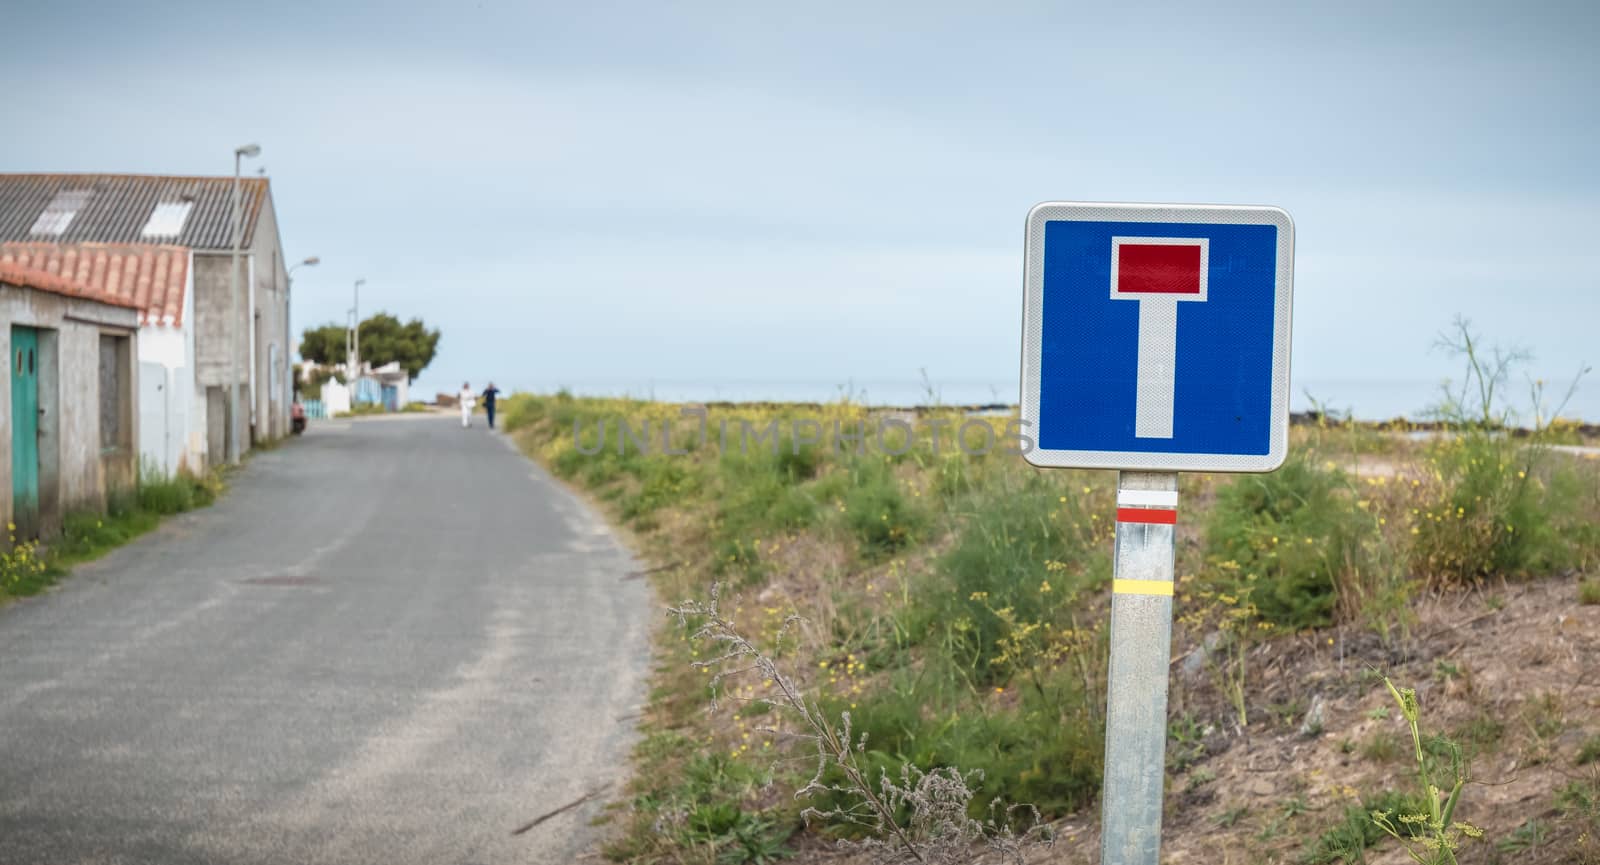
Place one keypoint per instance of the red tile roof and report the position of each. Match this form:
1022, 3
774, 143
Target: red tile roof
151, 278
12, 273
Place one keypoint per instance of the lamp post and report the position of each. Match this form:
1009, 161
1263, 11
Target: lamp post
239, 153
288, 332
356, 329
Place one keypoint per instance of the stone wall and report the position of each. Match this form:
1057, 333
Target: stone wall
77, 471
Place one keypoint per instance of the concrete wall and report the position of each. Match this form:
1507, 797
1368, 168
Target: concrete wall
263, 285
75, 472
213, 337
271, 282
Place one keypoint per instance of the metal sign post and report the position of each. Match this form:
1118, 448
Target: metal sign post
1141, 645
1191, 376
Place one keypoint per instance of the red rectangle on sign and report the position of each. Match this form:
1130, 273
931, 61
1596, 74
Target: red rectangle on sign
1153, 268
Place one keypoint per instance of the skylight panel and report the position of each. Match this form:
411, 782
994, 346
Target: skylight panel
59, 213
167, 219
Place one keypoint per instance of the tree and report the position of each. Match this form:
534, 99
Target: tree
383, 340
323, 345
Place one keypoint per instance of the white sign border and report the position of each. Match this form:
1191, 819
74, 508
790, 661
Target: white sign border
1033, 336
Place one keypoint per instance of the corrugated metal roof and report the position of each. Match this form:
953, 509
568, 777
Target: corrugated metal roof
117, 208
149, 277
27, 277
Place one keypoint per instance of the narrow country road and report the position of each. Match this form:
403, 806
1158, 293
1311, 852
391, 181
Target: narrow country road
392, 641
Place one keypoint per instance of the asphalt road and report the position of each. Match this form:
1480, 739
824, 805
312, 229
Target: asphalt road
392, 641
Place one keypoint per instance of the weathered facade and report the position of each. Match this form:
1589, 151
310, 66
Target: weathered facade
194, 213
157, 279
69, 425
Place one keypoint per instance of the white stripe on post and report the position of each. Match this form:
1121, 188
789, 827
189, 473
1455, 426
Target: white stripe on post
1148, 498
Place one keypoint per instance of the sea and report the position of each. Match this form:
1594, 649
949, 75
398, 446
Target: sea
1362, 399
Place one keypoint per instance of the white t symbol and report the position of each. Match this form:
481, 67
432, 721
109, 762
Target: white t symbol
1158, 272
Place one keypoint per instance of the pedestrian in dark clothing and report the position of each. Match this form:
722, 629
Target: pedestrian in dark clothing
488, 395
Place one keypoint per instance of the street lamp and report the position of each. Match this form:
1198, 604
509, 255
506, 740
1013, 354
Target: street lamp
357, 313
239, 153
288, 335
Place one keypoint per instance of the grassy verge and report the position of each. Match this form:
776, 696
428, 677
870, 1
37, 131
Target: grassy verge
952, 603
28, 568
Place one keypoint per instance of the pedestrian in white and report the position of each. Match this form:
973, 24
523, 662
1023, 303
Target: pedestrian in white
467, 400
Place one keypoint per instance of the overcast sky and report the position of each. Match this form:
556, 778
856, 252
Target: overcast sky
594, 192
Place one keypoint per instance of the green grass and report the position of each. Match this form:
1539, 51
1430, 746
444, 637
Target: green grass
1047, 750
88, 535
955, 604
699, 808
1589, 592
1347, 840
1578, 802
1291, 541
1024, 556
1526, 838
1589, 751
1483, 733
879, 512
1498, 505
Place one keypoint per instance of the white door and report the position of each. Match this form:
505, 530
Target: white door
155, 440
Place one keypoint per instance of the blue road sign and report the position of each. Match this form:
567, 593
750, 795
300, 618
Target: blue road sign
1156, 336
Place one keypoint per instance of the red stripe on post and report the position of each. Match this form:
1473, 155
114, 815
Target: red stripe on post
1159, 516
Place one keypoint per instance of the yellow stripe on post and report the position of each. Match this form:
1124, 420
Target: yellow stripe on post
1142, 587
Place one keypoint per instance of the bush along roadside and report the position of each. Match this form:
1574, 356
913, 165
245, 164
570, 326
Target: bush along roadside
30, 567
942, 613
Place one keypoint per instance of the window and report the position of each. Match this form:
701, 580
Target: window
114, 397
167, 219
58, 214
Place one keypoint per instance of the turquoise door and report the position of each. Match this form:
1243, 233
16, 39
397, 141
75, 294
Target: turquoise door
25, 430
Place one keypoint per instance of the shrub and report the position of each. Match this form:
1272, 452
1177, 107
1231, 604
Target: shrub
23, 570
663, 481
520, 411
1022, 556
1294, 542
927, 815
1494, 503
880, 515
1046, 752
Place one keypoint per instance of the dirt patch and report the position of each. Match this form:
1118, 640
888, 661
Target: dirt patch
1513, 673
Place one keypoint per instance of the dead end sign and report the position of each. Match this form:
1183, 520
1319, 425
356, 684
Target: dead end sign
1156, 336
